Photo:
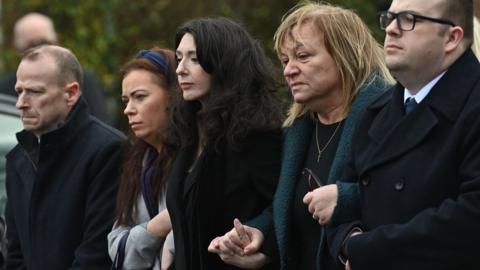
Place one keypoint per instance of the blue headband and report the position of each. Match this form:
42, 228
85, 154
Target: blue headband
155, 58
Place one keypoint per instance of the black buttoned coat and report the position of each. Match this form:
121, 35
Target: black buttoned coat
419, 178
60, 208
232, 183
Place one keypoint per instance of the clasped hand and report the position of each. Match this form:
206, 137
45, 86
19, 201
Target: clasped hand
240, 246
321, 203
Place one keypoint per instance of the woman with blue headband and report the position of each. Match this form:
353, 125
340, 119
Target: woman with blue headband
149, 89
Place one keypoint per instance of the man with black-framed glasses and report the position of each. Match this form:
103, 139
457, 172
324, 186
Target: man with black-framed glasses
416, 152
406, 20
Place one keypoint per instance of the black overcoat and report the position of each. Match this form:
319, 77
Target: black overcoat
230, 183
419, 177
60, 209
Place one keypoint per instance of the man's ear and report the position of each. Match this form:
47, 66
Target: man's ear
72, 90
455, 38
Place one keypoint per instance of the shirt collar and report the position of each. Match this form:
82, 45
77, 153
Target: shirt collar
420, 95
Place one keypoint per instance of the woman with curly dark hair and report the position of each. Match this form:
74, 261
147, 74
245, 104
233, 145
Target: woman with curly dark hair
230, 129
149, 90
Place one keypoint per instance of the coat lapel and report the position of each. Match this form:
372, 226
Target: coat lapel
23, 164
397, 136
295, 146
21, 158
180, 168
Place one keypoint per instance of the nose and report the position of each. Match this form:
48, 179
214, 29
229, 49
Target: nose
181, 70
393, 28
291, 69
129, 109
21, 101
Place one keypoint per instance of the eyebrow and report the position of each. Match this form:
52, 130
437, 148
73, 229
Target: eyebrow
190, 52
33, 87
298, 45
135, 92
408, 10
295, 48
138, 90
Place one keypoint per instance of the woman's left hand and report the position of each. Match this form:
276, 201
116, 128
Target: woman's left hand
321, 202
252, 261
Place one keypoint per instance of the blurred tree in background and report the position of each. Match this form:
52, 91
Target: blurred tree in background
104, 34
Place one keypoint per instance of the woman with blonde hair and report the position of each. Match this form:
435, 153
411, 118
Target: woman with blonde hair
334, 68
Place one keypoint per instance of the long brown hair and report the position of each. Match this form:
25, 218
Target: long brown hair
129, 189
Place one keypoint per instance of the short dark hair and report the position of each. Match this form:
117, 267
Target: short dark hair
241, 96
69, 67
460, 12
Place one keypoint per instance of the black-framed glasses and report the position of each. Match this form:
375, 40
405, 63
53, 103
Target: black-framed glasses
312, 179
406, 20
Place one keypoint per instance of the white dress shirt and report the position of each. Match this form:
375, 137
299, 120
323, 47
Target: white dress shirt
420, 95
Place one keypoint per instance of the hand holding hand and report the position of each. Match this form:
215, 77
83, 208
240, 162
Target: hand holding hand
239, 246
253, 261
241, 240
321, 202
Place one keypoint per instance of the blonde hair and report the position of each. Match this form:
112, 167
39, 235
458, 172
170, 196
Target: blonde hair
358, 56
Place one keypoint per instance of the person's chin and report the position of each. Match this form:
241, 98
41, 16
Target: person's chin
31, 121
298, 98
139, 134
189, 97
395, 66
30, 125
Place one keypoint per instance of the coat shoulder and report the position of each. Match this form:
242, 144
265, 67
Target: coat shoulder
97, 131
382, 98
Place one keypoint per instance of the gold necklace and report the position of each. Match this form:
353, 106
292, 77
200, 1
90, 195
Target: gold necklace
320, 151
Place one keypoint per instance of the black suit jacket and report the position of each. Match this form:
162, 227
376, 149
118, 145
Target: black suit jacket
227, 185
419, 178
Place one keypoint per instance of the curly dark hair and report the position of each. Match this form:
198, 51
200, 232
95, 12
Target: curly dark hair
129, 189
242, 93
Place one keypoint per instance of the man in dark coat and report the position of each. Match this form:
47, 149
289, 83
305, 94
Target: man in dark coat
418, 161
62, 175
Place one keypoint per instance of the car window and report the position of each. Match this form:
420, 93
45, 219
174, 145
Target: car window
9, 125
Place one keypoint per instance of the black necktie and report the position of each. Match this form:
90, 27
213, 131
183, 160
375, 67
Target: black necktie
410, 104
